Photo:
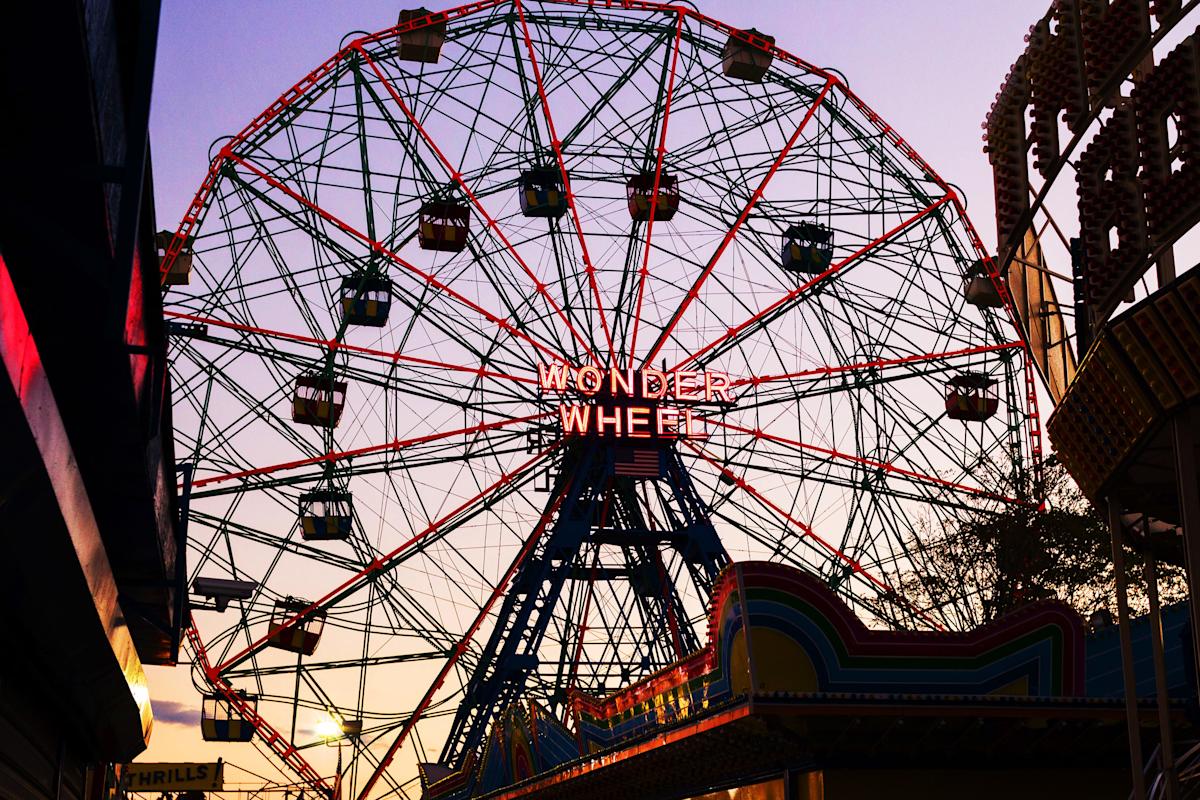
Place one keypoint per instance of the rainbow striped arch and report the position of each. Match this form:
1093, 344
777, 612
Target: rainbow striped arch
803, 640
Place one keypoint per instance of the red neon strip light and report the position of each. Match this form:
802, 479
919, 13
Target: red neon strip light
394, 445
461, 647
385, 562
794, 293
858, 568
562, 166
491, 223
503, 324
883, 362
333, 344
694, 292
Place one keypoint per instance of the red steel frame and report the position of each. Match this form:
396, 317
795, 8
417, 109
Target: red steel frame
461, 647
385, 562
858, 568
275, 740
289, 100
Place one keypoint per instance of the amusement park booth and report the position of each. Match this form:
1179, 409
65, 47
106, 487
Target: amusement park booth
794, 697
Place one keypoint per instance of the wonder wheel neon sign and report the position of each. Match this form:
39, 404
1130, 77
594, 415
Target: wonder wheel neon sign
633, 403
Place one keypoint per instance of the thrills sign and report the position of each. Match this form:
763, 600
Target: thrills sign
634, 404
147, 777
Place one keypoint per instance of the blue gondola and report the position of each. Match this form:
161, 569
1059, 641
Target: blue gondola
221, 721
542, 193
366, 300
807, 248
326, 515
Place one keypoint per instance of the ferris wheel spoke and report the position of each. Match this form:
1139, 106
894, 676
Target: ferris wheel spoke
342, 455
419, 304
255, 410
394, 557
660, 155
808, 532
694, 292
557, 144
887, 467
333, 345
787, 384
482, 258
503, 324
464, 642
730, 337
457, 177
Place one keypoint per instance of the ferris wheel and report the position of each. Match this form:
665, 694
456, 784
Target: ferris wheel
502, 332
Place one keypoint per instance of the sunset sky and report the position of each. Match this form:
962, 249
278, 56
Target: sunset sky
930, 69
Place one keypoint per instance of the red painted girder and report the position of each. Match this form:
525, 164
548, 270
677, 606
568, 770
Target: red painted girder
867, 462
556, 143
794, 293
462, 645
658, 164
878, 363
491, 223
280, 746
385, 562
694, 292
334, 456
858, 568
444, 288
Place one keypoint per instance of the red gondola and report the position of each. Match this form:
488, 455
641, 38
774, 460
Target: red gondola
742, 60
979, 289
972, 397
180, 273
318, 400
425, 43
301, 637
640, 190
443, 226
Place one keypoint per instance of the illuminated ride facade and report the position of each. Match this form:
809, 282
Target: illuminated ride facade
1112, 90
412, 277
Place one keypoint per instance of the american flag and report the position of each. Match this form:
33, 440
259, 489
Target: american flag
637, 462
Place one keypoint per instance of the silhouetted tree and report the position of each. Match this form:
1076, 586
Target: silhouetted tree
992, 563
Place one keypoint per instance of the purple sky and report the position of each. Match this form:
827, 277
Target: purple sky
930, 69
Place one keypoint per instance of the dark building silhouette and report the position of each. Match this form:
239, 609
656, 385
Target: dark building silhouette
91, 578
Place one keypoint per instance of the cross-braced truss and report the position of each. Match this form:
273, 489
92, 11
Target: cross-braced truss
442, 465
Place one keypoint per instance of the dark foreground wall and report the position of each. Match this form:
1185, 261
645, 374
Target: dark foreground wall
92, 563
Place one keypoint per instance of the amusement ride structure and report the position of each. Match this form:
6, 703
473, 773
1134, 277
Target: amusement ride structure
505, 330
